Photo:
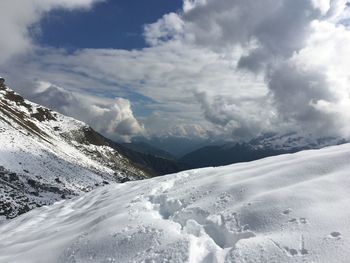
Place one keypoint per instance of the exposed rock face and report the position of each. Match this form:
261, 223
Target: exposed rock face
19, 193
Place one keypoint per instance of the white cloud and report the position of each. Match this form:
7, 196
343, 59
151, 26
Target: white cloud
298, 45
325, 54
113, 118
166, 76
322, 5
224, 68
165, 29
242, 118
17, 16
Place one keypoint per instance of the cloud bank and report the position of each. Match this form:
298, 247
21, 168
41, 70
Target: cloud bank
298, 46
113, 117
219, 68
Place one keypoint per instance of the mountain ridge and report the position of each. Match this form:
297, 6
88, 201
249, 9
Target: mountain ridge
46, 157
267, 145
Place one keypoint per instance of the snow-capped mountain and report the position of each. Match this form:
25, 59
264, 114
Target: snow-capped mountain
288, 208
293, 141
263, 146
46, 156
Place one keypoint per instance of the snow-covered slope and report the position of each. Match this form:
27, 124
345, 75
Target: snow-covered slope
46, 156
288, 208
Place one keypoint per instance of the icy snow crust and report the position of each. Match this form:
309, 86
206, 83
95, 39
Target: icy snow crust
289, 208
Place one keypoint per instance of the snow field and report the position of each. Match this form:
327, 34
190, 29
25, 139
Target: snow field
290, 208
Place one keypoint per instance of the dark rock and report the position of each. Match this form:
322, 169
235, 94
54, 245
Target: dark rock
2, 82
124, 180
13, 177
43, 115
32, 182
54, 189
57, 180
23, 209
35, 193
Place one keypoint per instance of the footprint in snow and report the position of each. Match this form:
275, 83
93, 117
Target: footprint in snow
301, 220
294, 252
335, 234
291, 251
287, 211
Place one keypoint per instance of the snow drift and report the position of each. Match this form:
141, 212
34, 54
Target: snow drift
289, 208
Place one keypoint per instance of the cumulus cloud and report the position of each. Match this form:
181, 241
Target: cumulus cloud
322, 68
163, 80
165, 29
113, 118
242, 118
299, 46
226, 68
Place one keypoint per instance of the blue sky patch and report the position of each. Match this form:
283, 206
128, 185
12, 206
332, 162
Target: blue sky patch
111, 24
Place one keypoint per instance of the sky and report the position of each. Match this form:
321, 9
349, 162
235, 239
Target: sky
212, 69
116, 24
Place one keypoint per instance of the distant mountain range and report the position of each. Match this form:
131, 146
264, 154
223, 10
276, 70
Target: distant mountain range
204, 153
175, 146
156, 162
261, 147
146, 148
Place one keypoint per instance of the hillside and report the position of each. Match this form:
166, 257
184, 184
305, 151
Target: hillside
153, 163
146, 148
46, 156
288, 208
